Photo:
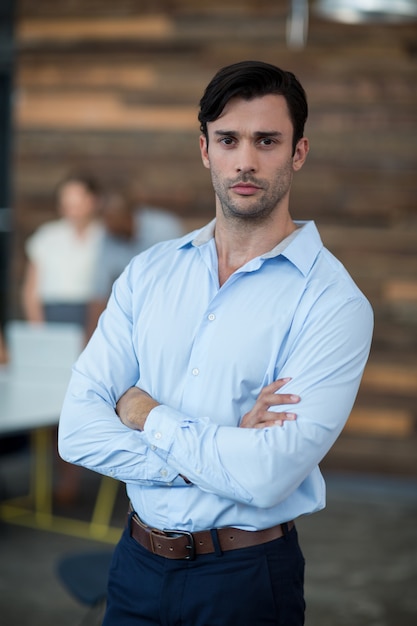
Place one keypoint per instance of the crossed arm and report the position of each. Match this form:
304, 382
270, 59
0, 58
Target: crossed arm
135, 405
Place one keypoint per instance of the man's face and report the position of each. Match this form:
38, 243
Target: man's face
250, 157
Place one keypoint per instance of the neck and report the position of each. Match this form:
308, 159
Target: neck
239, 241
82, 226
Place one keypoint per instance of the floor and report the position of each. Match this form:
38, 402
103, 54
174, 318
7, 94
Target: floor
361, 555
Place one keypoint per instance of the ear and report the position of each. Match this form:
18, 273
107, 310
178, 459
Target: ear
300, 154
204, 151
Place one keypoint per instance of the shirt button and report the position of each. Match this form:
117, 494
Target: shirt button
153, 447
211, 317
158, 435
195, 371
164, 472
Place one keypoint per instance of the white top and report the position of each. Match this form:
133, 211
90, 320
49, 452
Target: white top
65, 261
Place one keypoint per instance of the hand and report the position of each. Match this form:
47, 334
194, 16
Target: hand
260, 417
134, 407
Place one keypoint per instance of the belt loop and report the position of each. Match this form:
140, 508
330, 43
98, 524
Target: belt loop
131, 513
216, 543
284, 528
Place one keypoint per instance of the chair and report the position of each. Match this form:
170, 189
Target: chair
84, 575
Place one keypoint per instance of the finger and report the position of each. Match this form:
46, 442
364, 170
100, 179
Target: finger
275, 419
269, 419
281, 398
270, 424
275, 385
287, 417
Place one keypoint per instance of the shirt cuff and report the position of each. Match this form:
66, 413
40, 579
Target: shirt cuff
160, 427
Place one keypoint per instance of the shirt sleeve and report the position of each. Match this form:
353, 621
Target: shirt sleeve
262, 467
90, 432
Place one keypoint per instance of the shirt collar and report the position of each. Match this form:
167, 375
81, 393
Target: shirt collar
201, 236
300, 248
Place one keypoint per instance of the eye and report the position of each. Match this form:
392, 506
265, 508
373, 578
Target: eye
227, 141
266, 141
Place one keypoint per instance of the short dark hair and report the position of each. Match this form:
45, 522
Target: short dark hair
253, 79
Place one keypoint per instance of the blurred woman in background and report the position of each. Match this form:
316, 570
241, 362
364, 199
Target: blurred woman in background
62, 256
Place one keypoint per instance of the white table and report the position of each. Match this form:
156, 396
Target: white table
31, 398
33, 401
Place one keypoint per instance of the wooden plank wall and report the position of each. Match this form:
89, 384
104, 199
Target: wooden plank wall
114, 87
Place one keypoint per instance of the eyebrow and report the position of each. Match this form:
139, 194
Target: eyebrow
259, 133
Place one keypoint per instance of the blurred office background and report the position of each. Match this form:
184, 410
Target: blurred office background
113, 87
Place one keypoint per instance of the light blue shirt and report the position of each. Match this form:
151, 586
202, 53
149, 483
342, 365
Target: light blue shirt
205, 352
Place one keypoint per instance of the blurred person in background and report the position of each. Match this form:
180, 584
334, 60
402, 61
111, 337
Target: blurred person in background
130, 229
62, 255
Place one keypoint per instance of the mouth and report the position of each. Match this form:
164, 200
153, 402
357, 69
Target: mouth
245, 189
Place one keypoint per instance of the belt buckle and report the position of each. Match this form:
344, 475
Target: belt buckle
190, 546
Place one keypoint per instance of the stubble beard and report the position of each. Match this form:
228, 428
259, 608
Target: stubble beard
247, 209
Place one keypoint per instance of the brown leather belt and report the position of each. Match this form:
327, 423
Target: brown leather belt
178, 544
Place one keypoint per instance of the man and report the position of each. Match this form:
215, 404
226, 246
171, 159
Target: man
217, 339
129, 230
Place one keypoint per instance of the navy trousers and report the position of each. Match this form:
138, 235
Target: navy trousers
258, 586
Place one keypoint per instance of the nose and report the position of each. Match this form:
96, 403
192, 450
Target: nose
246, 160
